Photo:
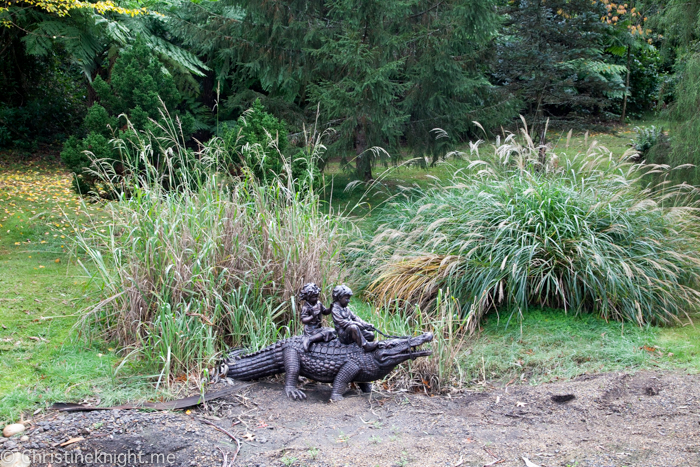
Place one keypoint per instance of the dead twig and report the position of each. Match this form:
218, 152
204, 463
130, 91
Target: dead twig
72, 440
225, 464
238, 443
492, 454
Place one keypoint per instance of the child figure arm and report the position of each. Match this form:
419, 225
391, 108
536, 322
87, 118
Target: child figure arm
307, 315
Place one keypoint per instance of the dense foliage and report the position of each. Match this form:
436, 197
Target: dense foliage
138, 92
188, 274
685, 143
42, 98
551, 57
384, 73
381, 73
513, 234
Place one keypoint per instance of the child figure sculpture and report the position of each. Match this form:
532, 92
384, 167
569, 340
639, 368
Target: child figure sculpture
311, 314
350, 328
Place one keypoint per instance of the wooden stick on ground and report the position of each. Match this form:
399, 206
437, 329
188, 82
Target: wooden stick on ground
238, 443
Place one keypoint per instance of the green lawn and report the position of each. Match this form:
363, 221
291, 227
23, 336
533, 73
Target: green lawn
44, 359
42, 291
361, 199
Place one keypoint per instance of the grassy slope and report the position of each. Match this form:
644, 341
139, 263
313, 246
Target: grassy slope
41, 360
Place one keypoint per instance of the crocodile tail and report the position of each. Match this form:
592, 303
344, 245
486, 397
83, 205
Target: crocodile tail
266, 362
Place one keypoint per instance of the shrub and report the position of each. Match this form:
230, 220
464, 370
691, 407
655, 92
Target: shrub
652, 144
646, 138
135, 96
585, 237
249, 143
75, 156
259, 140
186, 274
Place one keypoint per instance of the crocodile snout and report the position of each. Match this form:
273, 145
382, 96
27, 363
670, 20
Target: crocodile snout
419, 340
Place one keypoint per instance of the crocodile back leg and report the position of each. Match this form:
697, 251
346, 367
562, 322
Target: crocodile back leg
291, 377
346, 374
365, 387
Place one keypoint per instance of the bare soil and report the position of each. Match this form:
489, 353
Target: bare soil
613, 420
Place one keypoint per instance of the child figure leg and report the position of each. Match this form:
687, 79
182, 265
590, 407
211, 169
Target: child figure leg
362, 337
323, 335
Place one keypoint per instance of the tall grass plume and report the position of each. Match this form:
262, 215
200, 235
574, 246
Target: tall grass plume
522, 228
194, 261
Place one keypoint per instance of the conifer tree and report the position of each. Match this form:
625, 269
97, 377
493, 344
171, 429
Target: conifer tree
680, 23
551, 56
382, 71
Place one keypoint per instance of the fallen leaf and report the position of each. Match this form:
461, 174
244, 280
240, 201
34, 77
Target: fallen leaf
73, 440
528, 463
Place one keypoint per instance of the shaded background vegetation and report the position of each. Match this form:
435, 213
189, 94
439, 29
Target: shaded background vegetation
380, 73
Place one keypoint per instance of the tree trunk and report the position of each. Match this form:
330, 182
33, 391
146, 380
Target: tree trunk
364, 157
627, 86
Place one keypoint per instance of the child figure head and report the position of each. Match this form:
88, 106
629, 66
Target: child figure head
342, 294
309, 293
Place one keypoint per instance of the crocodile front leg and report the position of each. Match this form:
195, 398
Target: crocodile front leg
291, 377
346, 374
365, 387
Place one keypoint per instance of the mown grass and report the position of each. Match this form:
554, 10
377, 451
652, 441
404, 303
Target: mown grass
547, 345
41, 292
541, 346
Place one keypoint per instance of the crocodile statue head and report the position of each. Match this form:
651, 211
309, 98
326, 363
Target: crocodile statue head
391, 352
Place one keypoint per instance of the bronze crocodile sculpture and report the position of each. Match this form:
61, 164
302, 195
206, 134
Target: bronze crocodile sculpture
327, 362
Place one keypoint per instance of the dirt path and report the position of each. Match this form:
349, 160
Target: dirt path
615, 420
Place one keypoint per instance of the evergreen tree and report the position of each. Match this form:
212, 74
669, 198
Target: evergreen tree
679, 22
382, 71
139, 88
551, 56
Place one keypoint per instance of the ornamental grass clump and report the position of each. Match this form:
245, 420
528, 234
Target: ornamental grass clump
190, 269
524, 228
